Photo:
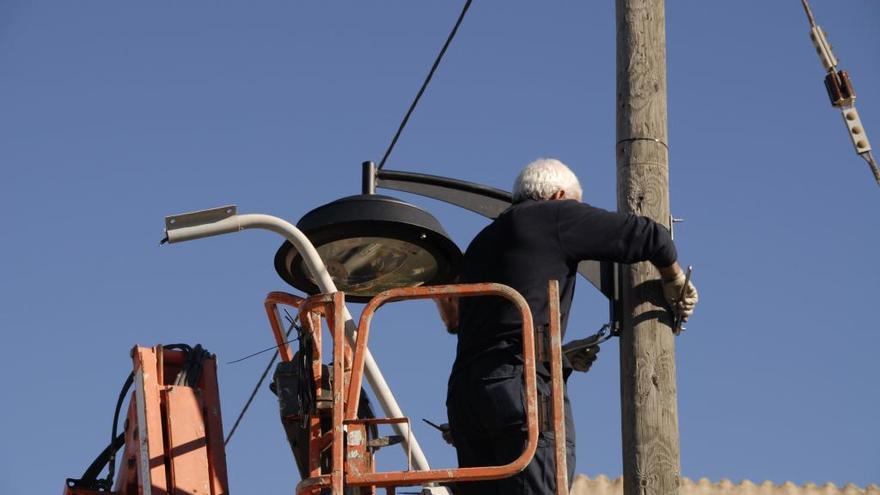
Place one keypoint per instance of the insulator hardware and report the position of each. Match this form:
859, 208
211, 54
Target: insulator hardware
856, 130
823, 48
840, 88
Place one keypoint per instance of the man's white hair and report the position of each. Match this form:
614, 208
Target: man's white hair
543, 178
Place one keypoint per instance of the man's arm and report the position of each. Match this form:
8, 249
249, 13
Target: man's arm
587, 232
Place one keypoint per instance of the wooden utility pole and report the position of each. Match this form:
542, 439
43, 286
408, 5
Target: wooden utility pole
649, 407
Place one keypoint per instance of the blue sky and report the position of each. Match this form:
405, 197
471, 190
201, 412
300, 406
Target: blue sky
115, 114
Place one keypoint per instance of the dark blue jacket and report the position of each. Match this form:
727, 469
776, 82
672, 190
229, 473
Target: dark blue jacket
533, 242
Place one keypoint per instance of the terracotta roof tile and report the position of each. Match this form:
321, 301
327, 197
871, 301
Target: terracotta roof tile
602, 485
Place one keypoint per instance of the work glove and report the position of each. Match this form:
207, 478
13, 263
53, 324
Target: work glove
581, 358
672, 291
446, 432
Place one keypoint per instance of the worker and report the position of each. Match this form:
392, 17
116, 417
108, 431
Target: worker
542, 236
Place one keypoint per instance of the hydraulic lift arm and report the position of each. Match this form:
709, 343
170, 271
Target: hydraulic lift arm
173, 432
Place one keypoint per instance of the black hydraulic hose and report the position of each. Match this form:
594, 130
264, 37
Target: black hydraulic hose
119, 440
192, 370
189, 376
98, 464
111, 458
180, 347
305, 392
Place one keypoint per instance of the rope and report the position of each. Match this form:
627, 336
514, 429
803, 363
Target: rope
415, 102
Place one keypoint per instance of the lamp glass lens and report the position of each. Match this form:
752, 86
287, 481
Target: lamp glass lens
366, 266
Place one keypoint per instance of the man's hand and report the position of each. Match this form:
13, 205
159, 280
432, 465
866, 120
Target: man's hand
446, 432
673, 288
448, 308
582, 358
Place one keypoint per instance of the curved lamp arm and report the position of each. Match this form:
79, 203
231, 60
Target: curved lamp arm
484, 200
225, 220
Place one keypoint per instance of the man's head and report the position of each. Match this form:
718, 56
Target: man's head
546, 178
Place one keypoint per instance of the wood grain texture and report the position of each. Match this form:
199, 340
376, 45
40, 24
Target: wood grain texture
651, 461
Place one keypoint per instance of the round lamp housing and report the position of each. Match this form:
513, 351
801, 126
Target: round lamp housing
371, 243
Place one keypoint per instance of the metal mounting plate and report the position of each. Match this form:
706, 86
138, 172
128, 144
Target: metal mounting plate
201, 217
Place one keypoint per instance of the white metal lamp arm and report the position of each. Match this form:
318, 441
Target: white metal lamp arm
225, 220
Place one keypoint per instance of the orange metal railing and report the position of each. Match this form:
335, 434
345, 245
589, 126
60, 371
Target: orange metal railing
348, 370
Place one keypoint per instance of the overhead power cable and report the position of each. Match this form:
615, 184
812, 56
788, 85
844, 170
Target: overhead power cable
409, 112
415, 102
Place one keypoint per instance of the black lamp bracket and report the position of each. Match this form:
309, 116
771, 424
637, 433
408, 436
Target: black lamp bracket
486, 201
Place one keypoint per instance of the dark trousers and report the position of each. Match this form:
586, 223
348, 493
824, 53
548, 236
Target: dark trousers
486, 409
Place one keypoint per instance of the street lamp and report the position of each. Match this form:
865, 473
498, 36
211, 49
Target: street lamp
371, 243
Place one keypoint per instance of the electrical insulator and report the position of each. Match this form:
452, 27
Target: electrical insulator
840, 88
841, 92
